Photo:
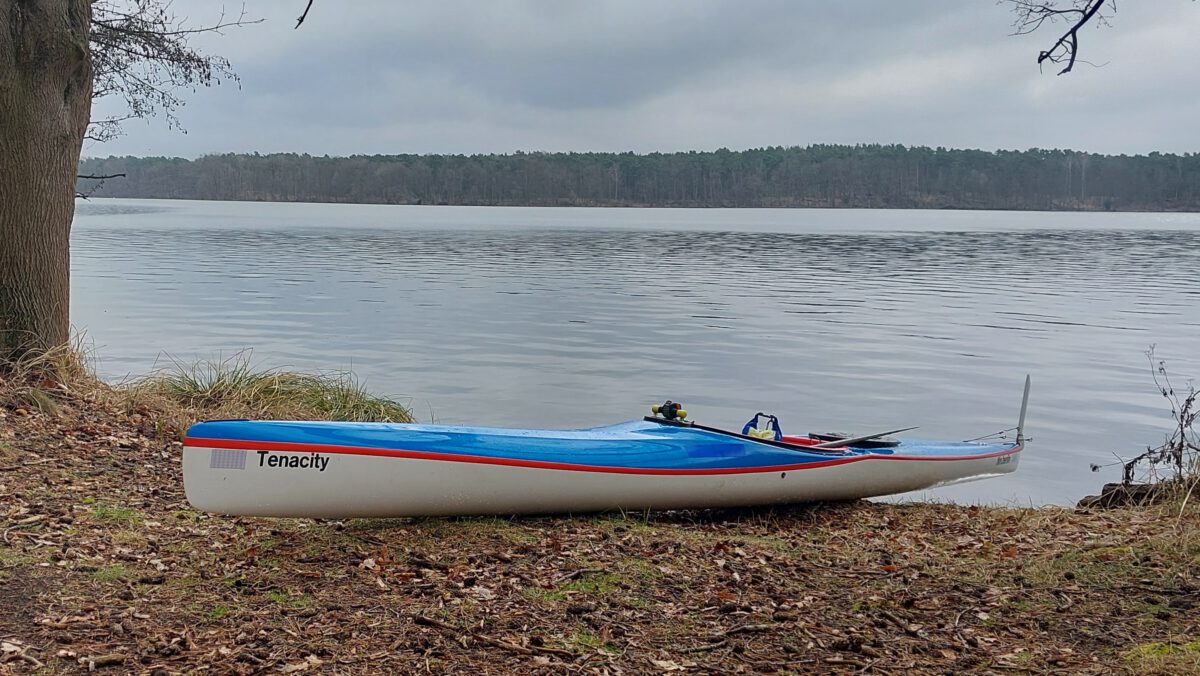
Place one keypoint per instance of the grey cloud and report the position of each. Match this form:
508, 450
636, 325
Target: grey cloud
460, 76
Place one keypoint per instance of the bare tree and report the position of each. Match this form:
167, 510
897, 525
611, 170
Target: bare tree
45, 103
55, 57
1075, 14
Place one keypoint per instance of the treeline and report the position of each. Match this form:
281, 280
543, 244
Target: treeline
869, 176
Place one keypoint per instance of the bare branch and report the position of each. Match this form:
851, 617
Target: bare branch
304, 15
1180, 450
1031, 15
100, 179
140, 52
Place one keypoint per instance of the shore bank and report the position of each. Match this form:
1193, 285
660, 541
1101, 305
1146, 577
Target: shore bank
104, 565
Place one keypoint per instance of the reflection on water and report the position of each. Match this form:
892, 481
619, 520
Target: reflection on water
564, 318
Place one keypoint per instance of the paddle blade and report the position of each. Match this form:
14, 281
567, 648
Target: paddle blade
854, 440
1024, 405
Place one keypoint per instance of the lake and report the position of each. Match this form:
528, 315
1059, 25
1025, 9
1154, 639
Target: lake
858, 320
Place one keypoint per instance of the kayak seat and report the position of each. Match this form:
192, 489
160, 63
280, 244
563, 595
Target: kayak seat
770, 429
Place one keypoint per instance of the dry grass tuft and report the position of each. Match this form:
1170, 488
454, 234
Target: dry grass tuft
42, 381
175, 397
234, 388
1164, 658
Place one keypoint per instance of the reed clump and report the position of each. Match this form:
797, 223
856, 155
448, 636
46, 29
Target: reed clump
234, 388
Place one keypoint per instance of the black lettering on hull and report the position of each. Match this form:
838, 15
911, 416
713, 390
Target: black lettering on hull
292, 461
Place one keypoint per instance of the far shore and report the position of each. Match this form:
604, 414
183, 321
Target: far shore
605, 204
884, 176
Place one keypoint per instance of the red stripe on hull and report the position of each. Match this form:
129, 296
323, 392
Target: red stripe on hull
289, 447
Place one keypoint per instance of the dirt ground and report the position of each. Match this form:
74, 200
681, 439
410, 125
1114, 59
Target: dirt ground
104, 566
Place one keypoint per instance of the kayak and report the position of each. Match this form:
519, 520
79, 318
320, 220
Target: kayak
341, 470
344, 470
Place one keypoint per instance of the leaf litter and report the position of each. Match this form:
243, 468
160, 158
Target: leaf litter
105, 567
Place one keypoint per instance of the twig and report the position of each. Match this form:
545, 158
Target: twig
22, 655
1066, 602
811, 636
16, 649
702, 648
1186, 497
27, 464
92, 663
959, 616
576, 574
846, 661
456, 633
35, 536
744, 629
1152, 589
907, 627
422, 562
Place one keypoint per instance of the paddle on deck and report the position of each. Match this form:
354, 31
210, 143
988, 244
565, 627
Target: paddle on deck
855, 440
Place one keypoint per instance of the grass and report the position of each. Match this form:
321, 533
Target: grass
590, 641
234, 388
639, 570
591, 584
116, 514
171, 399
1160, 649
499, 529
37, 380
1163, 658
594, 584
8, 454
10, 558
133, 537
285, 599
543, 595
626, 523
111, 574
367, 525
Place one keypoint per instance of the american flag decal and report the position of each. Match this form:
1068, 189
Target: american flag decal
227, 459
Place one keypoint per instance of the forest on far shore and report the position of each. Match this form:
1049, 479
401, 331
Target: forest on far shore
862, 176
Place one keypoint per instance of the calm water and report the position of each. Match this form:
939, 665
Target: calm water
849, 320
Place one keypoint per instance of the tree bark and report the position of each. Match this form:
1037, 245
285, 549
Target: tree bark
45, 104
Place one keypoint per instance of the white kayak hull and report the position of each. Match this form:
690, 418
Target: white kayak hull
247, 477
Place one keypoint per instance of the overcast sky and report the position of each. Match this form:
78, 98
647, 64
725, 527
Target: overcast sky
469, 76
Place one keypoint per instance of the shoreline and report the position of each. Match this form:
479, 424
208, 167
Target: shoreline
559, 204
104, 564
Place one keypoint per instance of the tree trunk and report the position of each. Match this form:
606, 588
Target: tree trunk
45, 104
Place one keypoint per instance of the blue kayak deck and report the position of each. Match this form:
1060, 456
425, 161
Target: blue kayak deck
639, 444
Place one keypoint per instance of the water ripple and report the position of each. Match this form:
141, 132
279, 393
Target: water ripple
833, 319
